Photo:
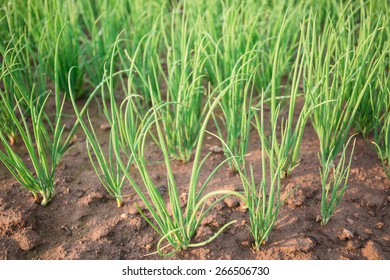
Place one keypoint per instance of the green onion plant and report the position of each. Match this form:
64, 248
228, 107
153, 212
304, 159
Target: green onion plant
107, 167
263, 198
237, 115
183, 112
382, 142
44, 155
178, 226
335, 78
42, 137
334, 182
232, 53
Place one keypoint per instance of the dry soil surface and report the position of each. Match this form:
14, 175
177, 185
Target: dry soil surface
83, 222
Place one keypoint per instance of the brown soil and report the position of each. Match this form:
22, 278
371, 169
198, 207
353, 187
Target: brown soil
83, 222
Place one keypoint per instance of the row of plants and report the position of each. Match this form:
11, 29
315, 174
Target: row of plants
230, 33
180, 66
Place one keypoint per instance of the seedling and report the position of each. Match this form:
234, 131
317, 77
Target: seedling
178, 226
334, 181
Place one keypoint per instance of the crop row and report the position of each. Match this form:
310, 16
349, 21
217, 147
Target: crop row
163, 70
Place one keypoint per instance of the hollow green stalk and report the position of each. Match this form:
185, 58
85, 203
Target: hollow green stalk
176, 227
334, 181
44, 155
263, 199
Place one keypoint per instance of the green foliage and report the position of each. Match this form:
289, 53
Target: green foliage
177, 225
334, 181
160, 69
335, 78
263, 198
44, 155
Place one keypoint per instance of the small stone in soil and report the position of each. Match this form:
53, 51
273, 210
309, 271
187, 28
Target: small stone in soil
74, 140
299, 244
386, 237
318, 218
363, 235
232, 201
124, 216
242, 209
350, 221
105, 127
367, 230
79, 193
345, 234
213, 220
133, 209
68, 179
137, 223
219, 206
28, 239
148, 247
67, 230
379, 225
183, 199
162, 189
294, 196
353, 245
203, 232
372, 251
216, 149
372, 203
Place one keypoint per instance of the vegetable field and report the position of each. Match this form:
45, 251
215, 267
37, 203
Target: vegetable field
195, 129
